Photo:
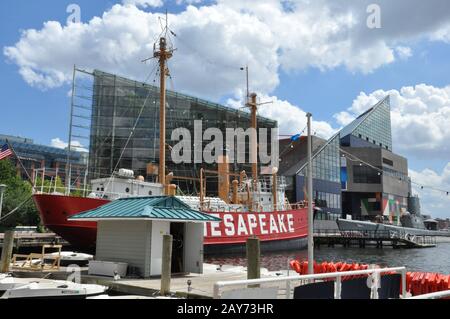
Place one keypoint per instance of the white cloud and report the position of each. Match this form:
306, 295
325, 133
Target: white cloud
180, 2
144, 3
76, 145
419, 119
433, 201
403, 52
344, 118
214, 40
291, 118
58, 143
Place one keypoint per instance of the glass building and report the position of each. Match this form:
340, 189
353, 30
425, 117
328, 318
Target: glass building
326, 170
117, 104
40, 159
371, 129
342, 184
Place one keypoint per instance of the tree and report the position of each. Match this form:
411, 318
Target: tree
17, 191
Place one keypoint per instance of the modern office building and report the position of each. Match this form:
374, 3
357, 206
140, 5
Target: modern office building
118, 103
326, 172
377, 181
326, 183
355, 172
47, 160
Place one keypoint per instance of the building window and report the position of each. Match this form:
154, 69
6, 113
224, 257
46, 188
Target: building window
388, 162
365, 175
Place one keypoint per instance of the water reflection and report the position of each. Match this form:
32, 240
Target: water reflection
430, 259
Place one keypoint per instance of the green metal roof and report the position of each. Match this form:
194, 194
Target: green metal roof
153, 207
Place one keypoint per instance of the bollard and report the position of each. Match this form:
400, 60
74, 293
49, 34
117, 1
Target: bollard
253, 258
8, 243
166, 267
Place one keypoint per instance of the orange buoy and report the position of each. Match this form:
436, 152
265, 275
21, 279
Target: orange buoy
295, 265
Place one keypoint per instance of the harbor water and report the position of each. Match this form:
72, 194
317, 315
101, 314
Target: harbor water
435, 259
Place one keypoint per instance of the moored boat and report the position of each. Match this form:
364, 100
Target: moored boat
54, 289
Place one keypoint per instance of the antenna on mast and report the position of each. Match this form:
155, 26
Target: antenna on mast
162, 51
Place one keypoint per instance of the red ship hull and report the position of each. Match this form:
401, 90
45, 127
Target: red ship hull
234, 229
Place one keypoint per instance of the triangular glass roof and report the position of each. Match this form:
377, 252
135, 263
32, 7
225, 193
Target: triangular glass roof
353, 126
374, 126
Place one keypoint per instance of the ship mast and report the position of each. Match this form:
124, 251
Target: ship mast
162, 54
254, 139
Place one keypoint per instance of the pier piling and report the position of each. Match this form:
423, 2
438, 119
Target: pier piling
7, 248
166, 267
253, 258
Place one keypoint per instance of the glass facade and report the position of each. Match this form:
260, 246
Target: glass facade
374, 126
326, 171
117, 103
371, 129
35, 156
366, 175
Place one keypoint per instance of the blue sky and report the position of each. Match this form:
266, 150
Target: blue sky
323, 83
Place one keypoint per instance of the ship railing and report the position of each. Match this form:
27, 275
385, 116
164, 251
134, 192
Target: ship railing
47, 180
266, 182
283, 286
376, 234
433, 295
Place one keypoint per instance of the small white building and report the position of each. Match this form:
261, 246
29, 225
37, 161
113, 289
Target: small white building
130, 230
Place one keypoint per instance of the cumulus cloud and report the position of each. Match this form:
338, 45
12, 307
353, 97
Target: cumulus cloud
76, 145
144, 3
215, 39
433, 201
291, 118
344, 118
403, 52
419, 116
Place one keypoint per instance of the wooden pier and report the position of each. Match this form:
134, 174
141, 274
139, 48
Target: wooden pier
34, 240
367, 238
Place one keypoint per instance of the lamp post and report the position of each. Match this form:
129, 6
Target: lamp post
310, 201
2, 190
246, 74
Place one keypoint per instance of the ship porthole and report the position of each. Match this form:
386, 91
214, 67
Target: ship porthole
127, 190
150, 193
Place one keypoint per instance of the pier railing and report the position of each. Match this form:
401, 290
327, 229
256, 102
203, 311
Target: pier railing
434, 295
285, 284
376, 235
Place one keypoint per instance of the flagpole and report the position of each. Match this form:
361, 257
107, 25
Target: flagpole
21, 164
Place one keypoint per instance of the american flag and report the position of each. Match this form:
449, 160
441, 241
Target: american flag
5, 152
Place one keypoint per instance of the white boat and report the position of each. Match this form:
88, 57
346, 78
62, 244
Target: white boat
53, 289
105, 297
70, 257
7, 281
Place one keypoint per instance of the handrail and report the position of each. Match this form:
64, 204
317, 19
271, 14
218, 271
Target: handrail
338, 275
433, 295
376, 234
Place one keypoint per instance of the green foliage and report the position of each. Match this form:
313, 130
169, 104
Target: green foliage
16, 192
49, 185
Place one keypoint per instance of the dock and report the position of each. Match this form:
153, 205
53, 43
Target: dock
368, 238
34, 240
201, 286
